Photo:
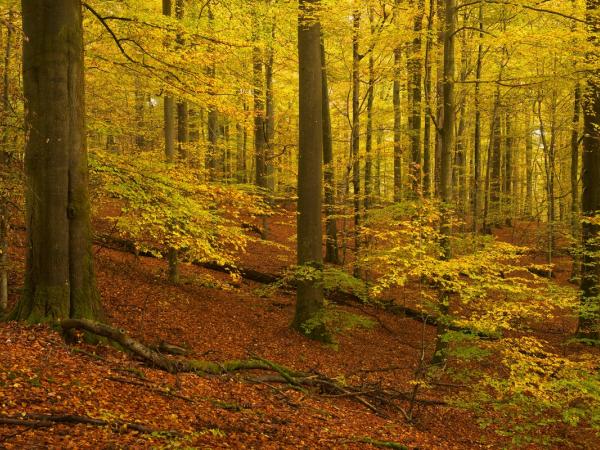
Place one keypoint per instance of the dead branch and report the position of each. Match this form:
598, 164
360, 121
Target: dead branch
50, 420
367, 396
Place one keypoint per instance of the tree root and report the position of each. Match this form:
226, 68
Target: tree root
50, 420
370, 396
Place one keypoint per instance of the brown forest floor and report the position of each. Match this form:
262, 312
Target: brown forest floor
39, 373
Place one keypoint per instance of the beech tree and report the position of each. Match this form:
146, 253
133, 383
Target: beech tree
309, 303
589, 324
59, 277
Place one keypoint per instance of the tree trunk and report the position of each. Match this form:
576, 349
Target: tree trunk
356, 57
331, 244
414, 119
59, 274
270, 109
259, 109
589, 321
210, 160
575, 227
308, 318
507, 190
5, 159
169, 105
427, 90
477, 143
529, 170
182, 106
369, 136
397, 117
447, 145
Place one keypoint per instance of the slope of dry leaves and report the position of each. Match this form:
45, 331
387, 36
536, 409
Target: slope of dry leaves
216, 320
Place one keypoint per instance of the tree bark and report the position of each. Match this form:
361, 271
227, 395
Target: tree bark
308, 318
447, 145
414, 122
575, 227
169, 104
331, 244
356, 57
5, 159
589, 321
477, 143
369, 136
259, 109
397, 117
59, 274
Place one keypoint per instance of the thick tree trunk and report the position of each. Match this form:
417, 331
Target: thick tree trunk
589, 322
59, 276
397, 116
308, 318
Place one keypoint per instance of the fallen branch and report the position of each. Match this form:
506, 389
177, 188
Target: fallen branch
50, 420
124, 245
295, 379
384, 444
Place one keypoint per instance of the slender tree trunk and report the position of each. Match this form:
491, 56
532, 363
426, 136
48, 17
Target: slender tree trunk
447, 145
529, 170
397, 117
210, 160
477, 143
356, 57
369, 137
259, 110
139, 114
308, 318
428, 110
59, 273
575, 227
182, 106
169, 105
459, 177
492, 171
331, 244
5, 160
441, 6
507, 191
270, 108
414, 121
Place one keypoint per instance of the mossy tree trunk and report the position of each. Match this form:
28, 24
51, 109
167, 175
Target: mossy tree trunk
59, 278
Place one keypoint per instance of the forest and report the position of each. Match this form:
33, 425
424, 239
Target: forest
316, 224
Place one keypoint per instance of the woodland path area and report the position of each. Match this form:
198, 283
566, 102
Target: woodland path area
218, 321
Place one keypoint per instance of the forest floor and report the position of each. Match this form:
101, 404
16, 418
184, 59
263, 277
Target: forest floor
219, 320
